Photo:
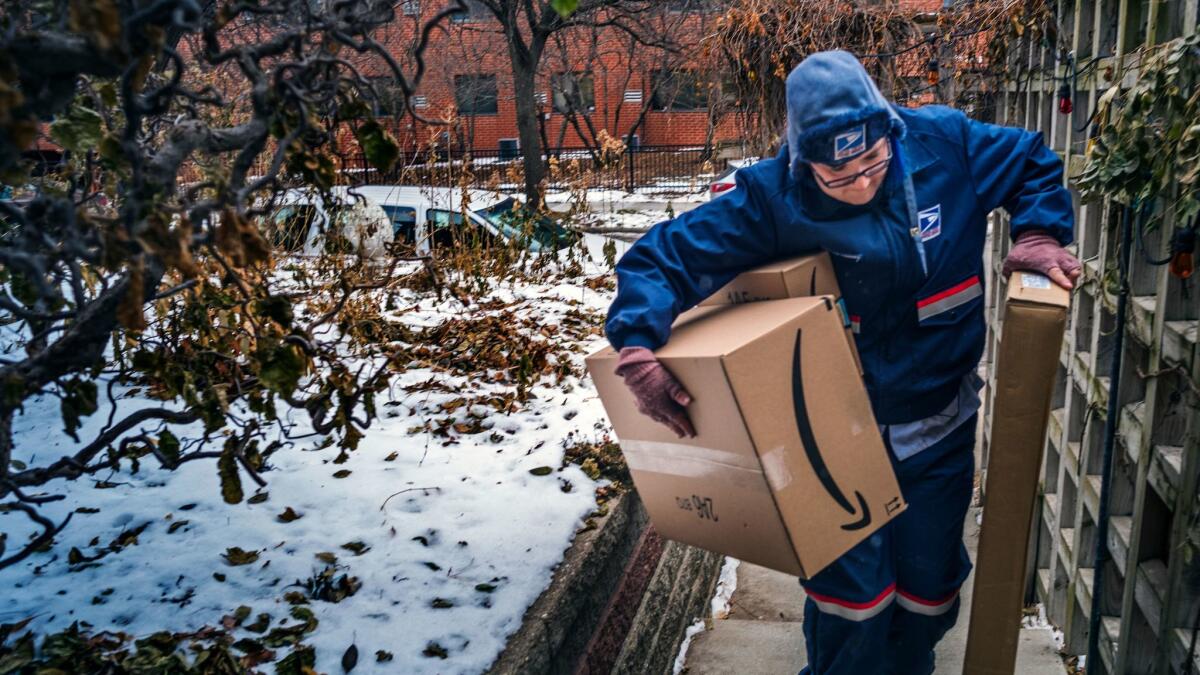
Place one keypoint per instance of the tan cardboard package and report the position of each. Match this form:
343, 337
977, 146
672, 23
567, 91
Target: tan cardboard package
800, 277
787, 469
1035, 316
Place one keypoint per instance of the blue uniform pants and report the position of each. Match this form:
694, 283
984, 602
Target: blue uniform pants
881, 607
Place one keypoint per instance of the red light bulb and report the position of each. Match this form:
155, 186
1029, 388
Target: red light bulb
1064, 100
1182, 265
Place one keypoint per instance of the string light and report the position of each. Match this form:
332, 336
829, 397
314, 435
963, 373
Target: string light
1064, 99
1183, 247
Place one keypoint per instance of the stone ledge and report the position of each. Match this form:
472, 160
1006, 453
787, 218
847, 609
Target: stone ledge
558, 625
619, 602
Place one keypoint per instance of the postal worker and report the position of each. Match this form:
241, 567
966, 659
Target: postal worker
899, 198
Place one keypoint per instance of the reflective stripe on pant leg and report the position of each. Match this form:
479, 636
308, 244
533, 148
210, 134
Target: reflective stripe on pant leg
931, 560
854, 611
848, 609
927, 607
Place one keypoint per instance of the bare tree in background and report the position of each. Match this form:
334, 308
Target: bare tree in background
527, 27
140, 260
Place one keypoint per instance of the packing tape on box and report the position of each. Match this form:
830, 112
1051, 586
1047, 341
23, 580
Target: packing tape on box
690, 461
774, 467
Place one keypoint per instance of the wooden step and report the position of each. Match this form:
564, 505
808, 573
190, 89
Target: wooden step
1081, 371
1165, 468
1083, 590
1066, 544
1054, 429
1071, 460
1130, 432
1110, 637
1181, 646
1179, 343
1149, 591
1050, 511
1043, 585
1090, 488
1120, 530
1141, 317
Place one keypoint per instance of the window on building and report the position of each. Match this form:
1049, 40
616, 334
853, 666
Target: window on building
475, 94
678, 90
410, 7
729, 94
476, 11
573, 92
389, 98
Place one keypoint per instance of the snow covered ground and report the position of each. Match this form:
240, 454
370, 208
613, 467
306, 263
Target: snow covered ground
445, 539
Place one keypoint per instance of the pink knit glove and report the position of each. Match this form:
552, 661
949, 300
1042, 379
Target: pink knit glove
1036, 251
659, 395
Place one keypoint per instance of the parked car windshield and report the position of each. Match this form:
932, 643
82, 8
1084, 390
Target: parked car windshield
289, 226
511, 218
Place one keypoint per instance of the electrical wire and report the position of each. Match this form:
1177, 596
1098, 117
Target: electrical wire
1111, 421
1141, 231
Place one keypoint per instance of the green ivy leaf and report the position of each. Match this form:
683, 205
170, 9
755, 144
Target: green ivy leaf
231, 482
78, 400
378, 144
302, 660
281, 368
79, 130
168, 445
565, 8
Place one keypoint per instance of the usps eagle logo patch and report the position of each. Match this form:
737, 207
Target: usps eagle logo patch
850, 143
931, 222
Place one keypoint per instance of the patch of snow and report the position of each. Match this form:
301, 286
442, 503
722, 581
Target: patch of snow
1036, 621
440, 522
718, 609
681, 658
726, 585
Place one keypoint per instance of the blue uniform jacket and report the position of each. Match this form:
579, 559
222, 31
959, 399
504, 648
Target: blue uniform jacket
918, 335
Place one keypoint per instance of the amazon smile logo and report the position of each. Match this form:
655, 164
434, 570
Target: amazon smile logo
813, 451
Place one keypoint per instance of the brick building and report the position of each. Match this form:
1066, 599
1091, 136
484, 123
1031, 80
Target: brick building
592, 83
591, 80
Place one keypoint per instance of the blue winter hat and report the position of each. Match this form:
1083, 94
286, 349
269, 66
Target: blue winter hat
834, 110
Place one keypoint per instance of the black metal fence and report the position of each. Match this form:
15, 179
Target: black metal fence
658, 168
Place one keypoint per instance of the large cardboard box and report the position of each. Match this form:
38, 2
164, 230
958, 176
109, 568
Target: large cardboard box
1035, 316
800, 277
787, 469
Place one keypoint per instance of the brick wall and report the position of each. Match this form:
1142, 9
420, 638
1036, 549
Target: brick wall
475, 47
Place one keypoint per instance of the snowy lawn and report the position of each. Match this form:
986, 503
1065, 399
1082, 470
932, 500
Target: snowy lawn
422, 549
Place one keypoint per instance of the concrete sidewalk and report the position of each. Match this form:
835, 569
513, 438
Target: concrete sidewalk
763, 633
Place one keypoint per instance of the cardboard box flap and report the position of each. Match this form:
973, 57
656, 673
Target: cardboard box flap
796, 277
724, 331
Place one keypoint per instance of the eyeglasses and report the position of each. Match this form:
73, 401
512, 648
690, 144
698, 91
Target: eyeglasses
843, 181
